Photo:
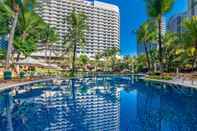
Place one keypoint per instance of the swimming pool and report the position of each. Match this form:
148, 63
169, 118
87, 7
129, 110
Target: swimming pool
99, 104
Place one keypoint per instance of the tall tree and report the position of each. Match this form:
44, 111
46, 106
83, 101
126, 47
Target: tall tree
48, 37
111, 55
156, 9
146, 36
14, 8
172, 50
28, 32
190, 36
76, 33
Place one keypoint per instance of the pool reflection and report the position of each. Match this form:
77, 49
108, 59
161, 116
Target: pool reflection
99, 104
76, 105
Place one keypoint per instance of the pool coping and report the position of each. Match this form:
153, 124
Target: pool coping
6, 87
171, 82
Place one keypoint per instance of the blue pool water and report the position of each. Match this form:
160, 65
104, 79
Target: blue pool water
99, 104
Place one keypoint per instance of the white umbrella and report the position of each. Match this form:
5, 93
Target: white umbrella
29, 61
54, 66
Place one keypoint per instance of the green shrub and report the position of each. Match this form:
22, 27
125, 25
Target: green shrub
7, 75
155, 74
156, 77
22, 75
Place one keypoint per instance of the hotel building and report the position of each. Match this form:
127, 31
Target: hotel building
192, 8
103, 21
175, 23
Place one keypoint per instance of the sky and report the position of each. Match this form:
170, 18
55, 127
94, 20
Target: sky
132, 15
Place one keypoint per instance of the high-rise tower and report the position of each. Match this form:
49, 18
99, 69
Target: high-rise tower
102, 18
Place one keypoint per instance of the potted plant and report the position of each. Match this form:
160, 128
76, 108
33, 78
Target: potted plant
7, 75
22, 75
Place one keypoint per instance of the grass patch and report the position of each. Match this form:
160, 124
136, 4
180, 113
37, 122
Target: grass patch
158, 77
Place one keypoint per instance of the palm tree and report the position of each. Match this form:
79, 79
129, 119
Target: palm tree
27, 34
156, 9
48, 37
172, 50
14, 8
83, 60
190, 36
145, 36
76, 33
110, 55
97, 60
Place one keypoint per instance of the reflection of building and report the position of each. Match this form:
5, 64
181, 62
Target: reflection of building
78, 109
103, 22
175, 23
192, 7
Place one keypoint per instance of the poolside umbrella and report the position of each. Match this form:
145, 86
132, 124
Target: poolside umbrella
46, 65
30, 61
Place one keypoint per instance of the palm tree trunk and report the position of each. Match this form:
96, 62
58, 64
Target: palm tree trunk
160, 44
74, 57
195, 56
50, 54
147, 56
10, 40
18, 57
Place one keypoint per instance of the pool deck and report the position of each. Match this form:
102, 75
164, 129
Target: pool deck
9, 85
187, 83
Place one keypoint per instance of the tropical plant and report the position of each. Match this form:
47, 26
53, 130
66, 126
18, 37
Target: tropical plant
76, 33
171, 50
156, 9
83, 60
111, 55
48, 37
141, 61
12, 9
97, 60
2, 54
190, 37
146, 36
27, 34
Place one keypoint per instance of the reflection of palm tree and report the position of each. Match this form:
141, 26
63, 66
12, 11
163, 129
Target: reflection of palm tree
110, 91
76, 112
25, 115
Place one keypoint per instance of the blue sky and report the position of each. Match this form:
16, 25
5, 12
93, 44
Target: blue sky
133, 13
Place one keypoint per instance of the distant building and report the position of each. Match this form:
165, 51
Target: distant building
163, 25
175, 23
141, 50
103, 22
192, 8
